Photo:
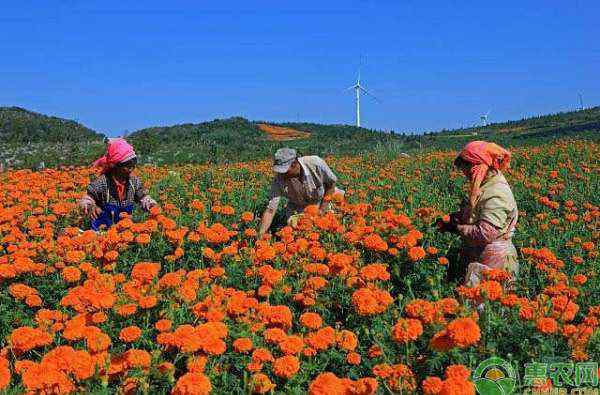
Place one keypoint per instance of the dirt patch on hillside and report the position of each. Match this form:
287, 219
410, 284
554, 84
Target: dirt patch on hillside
279, 133
516, 129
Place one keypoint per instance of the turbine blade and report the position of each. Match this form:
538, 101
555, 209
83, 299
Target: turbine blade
370, 94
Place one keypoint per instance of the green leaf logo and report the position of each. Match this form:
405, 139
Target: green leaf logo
495, 376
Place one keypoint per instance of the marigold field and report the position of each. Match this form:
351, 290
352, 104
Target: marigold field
185, 300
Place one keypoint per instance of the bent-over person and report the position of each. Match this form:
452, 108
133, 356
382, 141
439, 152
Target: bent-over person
116, 190
303, 180
486, 220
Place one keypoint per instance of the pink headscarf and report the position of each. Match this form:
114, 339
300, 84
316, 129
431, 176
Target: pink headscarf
483, 156
117, 151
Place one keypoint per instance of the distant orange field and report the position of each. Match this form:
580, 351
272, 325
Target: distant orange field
280, 133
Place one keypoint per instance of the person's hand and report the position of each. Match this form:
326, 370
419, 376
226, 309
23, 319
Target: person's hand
444, 226
455, 219
94, 213
147, 203
263, 236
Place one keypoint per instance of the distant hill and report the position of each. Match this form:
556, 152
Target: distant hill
562, 123
28, 138
238, 139
21, 126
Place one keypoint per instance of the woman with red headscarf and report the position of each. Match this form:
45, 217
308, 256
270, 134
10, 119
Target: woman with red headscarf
116, 190
487, 219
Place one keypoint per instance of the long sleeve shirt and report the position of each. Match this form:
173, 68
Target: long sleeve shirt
305, 190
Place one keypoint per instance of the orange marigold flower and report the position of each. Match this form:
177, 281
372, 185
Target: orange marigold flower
375, 351
261, 384
192, 384
197, 205
432, 386
588, 245
163, 325
145, 272
311, 320
460, 372
321, 339
291, 345
40, 379
491, 289
368, 301
286, 367
4, 373
71, 274
579, 279
416, 253
262, 355
98, 318
147, 302
280, 316
247, 216
375, 271
242, 345
33, 301
375, 242
407, 330
142, 238
137, 359
25, 338
432, 250
353, 358
130, 334
75, 256
464, 332
127, 310
111, 256
454, 386
547, 325
327, 384
98, 342
346, 340
421, 309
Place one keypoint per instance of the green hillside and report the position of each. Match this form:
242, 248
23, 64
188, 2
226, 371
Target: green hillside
20, 126
237, 139
559, 124
27, 138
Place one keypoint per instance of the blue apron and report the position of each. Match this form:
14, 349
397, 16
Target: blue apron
111, 214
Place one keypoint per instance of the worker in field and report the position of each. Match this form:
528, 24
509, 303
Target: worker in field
303, 180
116, 190
486, 220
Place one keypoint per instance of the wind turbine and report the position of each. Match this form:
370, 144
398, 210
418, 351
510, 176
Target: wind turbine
484, 118
581, 102
358, 89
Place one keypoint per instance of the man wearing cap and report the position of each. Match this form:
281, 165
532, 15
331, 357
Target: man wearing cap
302, 180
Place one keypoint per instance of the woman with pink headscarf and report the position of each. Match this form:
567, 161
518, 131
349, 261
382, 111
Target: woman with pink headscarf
487, 219
116, 190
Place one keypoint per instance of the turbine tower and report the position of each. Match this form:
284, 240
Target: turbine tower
484, 118
581, 102
358, 90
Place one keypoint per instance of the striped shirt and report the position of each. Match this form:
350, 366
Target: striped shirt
104, 191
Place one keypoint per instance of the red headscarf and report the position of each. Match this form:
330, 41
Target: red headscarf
117, 151
483, 156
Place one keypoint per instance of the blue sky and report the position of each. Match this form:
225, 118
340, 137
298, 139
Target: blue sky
132, 64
